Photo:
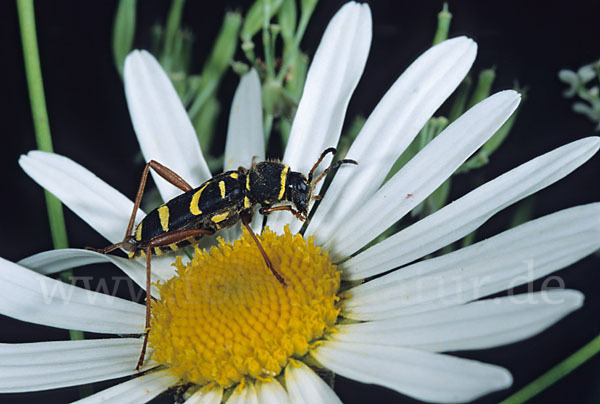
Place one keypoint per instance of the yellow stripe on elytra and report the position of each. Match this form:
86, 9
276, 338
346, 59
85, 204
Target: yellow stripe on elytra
248, 182
222, 188
234, 176
138, 232
163, 214
157, 251
247, 202
220, 217
282, 182
195, 200
174, 247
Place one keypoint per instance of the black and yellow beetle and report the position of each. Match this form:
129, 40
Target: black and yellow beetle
215, 205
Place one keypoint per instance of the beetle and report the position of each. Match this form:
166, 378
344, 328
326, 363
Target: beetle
217, 204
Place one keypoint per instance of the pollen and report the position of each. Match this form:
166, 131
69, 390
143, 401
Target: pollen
224, 317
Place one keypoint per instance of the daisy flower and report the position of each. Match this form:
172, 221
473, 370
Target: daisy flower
224, 328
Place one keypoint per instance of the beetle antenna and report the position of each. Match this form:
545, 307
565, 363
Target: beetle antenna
312, 170
332, 167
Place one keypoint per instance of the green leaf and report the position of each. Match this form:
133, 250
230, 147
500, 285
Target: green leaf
460, 99
173, 26
468, 239
292, 50
523, 213
500, 136
296, 75
286, 19
224, 48
482, 157
123, 32
256, 15
439, 197
432, 128
404, 158
308, 6
348, 138
484, 85
444, 18
205, 122
219, 60
285, 127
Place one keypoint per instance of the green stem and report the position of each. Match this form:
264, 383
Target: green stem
460, 99
556, 373
266, 38
483, 88
444, 18
41, 124
38, 110
302, 24
34, 74
173, 23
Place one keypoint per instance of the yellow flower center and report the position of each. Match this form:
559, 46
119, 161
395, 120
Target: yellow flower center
225, 316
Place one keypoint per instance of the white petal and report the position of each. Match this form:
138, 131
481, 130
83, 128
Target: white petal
331, 80
135, 391
422, 375
271, 393
424, 173
205, 397
514, 257
49, 365
161, 123
464, 215
53, 261
394, 123
245, 135
246, 395
305, 387
162, 266
97, 203
29, 296
477, 325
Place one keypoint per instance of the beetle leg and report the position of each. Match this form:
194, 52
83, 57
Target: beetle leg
165, 173
148, 298
160, 241
105, 250
246, 217
171, 176
266, 211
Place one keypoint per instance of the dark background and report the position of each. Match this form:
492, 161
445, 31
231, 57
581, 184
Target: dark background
528, 41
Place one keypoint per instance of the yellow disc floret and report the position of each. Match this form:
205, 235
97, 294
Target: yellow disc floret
225, 316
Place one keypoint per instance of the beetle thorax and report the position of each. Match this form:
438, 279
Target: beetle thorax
266, 182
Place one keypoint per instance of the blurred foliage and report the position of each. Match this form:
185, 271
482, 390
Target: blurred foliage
268, 38
269, 35
584, 85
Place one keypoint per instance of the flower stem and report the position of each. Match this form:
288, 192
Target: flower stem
40, 122
38, 110
556, 373
444, 18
